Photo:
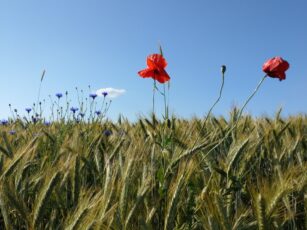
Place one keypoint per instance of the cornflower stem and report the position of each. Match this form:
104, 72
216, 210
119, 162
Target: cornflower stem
39, 89
58, 109
237, 120
102, 105
107, 108
51, 107
10, 106
38, 96
103, 109
91, 108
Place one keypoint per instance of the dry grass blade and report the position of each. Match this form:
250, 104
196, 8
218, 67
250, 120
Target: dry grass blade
260, 210
140, 197
235, 156
172, 205
76, 187
71, 176
6, 152
279, 194
15, 201
223, 219
77, 220
10, 168
5, 209
43, 197
117, 148
7, 144
189, 153
305, 209
126, 183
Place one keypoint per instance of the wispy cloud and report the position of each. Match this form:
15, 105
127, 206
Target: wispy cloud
111, 92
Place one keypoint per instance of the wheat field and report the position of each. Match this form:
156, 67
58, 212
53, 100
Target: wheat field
153, 174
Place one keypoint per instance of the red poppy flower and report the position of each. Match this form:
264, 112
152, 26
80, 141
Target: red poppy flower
276, 68
155, 68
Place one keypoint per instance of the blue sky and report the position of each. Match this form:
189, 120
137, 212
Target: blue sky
105, 43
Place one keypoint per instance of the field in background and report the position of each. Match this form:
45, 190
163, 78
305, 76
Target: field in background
150, 174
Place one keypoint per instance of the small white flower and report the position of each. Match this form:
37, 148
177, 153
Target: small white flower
110, 92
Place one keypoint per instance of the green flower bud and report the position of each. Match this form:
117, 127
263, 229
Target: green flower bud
223, 69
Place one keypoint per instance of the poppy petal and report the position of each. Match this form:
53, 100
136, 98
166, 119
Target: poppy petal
281, 76
145, 73
284, 66
276, 68
156, 61
162, 76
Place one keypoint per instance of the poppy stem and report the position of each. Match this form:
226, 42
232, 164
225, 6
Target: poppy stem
168, 88
165, 105
153, 96
250, 97
237, 120
230, 130
210, 110
217, 100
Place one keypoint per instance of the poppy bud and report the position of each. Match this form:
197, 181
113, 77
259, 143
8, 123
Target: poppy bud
223, 69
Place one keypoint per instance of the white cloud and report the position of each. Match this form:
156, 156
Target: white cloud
112, 93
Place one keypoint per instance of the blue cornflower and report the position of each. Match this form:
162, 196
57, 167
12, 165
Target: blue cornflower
93, 95
34, 119
104, 94
82, 114
28, 110
4, 122
97, 112
59, 95
74, 109
47, 123
107, 132
12, 132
